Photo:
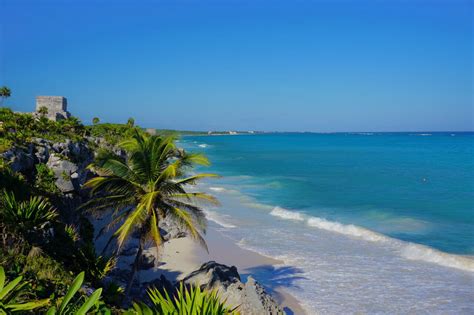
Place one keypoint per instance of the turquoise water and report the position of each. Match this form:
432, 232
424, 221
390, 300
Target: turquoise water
391, 202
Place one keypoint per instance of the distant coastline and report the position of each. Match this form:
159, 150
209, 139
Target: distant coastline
258, 132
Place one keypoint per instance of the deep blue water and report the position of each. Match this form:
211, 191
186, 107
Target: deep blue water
415, 187
372, 222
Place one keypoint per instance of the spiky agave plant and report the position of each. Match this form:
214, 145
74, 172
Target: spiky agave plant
187, 301
25, 216
147, 187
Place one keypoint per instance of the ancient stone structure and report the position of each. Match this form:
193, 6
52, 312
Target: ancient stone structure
55, 105
151, 131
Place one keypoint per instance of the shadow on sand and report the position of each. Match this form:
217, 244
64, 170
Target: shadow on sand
274, 277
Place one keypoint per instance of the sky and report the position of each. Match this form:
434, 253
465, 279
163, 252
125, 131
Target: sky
324, 66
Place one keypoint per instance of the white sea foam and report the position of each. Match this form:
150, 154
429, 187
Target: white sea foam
406, 249
203, 145
218, 189
420, 252
219, 219
350, 230
287, 214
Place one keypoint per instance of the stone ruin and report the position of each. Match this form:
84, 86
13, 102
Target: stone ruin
56, 106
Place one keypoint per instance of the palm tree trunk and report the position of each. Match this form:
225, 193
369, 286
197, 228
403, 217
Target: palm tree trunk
136, 265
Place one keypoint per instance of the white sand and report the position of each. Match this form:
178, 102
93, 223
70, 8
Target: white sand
179, 257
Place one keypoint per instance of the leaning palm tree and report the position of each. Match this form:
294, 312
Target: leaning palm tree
146, 187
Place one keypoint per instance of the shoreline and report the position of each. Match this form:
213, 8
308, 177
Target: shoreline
181, 256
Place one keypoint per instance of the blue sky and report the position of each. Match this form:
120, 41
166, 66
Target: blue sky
247, 65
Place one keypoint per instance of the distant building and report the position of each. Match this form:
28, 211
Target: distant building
151, 131
55, 105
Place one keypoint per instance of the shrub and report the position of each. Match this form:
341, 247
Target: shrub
45, 180
187, 301
11, 296
80, 306
25, 217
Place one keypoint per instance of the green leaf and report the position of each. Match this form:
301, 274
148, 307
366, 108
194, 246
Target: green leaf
89, 302
76, 285
10, 287
2, 278
28, 306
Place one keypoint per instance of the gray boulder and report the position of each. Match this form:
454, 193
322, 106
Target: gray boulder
148, 260
21, 159
65, 173
250, 298
170, 229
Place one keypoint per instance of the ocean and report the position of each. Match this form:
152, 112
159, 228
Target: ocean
364, 222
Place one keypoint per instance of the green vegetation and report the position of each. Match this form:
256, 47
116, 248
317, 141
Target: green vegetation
43, 111
25, 217
113, 133
145, 188
5, 93
20, 128
186, 301
43, 246
79, 306
10, 296
45, 180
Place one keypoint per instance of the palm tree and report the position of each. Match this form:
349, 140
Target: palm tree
5, 92
43, 111
95, 120
146, 188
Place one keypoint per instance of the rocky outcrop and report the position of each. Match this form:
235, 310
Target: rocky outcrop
21, 159
169, 229
65, 172
250, 298
68, 161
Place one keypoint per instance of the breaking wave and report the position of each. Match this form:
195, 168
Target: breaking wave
218, 189
405, 249
287, 214
219, 219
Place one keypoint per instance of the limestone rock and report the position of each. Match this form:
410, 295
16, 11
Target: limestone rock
170, 229
21, 160
148, 260
251, 297
63, 169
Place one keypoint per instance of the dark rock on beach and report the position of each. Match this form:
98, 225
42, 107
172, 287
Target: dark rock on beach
250, 297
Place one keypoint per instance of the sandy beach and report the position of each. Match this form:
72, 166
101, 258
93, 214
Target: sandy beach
181, 256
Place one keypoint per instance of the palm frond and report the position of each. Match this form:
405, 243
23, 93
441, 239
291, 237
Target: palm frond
193, 179
186, 220
133, 221
195, 197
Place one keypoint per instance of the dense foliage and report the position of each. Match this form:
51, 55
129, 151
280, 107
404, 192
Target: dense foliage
113, 133
21, 128
42, 248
